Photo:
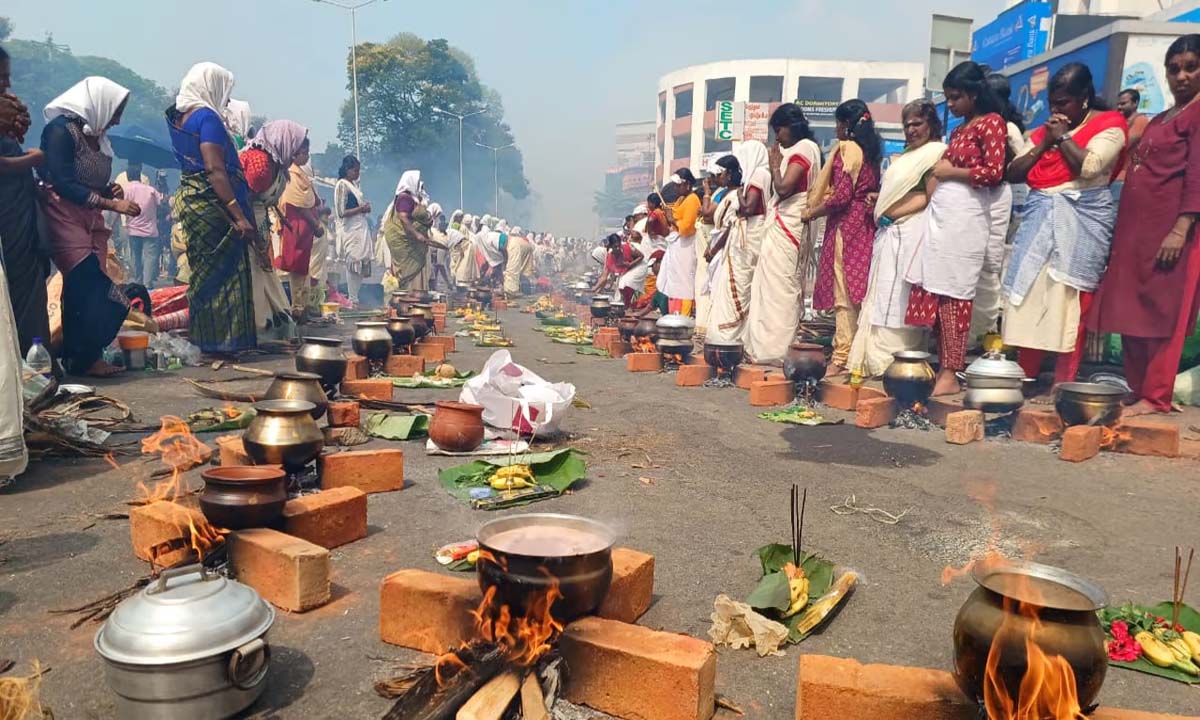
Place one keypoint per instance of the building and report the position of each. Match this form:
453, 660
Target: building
631, 177
687, 99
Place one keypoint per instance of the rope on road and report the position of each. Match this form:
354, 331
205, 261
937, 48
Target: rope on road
850, 506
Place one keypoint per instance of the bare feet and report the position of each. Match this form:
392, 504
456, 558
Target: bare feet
946, 384
835, 370
101, 369
1142, 407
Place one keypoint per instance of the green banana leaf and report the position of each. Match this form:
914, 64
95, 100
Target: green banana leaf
570, 341
587, 350
216, 420
772, 593
797, 415
559, 322
429, 380
397, 427
559, 469
1189, 618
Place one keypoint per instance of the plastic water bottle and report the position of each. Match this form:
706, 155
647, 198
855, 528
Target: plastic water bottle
38, 359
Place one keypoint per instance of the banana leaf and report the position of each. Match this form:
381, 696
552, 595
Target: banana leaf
598, 352
559, 322
397, 427
772, 593
571, 341
1189, 618
430, 381
219, 420
559, 469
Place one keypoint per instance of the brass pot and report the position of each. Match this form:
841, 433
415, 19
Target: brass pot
324, 357
299, 386
372, 340
402, 331
646, 328
283, 432
626, 326
1080, 403
1065, 606
909, 379
421, 315
236, 497
804, 362
400, 302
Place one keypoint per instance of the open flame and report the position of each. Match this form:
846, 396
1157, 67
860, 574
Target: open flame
525, 638
179, 450
643, 344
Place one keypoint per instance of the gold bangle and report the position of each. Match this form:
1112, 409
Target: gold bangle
231, 203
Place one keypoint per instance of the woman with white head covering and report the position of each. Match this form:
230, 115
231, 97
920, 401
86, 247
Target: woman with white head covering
406, 228
741, 218
466, 270
213, 206
79, 167
520, 262
237, 117
354, 248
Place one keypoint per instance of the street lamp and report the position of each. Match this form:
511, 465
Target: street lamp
460, 143
496, 170
353, 8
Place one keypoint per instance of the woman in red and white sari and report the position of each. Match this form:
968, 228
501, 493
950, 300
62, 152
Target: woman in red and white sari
741, 223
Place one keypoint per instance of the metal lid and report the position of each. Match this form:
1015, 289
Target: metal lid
284, 407
297, 375
676, 321
995, 366
187, 614
331, 342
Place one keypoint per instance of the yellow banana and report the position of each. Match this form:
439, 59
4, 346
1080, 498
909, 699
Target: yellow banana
819, 610
1163, 655
797, 589
1193, 642
511, 477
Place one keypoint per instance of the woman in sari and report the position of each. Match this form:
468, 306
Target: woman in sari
466, 270
841, 195
900, 216
1151, 291
78, 168
350, 209
945, 272
213, 207
678, 277
1061, 247
301, 225
520, 262
741, 219
407, 230
265, 162
777, 291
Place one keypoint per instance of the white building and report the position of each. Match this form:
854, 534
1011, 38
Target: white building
686, 98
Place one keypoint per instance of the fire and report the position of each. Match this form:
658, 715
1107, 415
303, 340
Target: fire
643, 344
526, 638
179, 450
1110, 437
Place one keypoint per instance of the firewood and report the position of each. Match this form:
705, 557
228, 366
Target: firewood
490, 702
533, 705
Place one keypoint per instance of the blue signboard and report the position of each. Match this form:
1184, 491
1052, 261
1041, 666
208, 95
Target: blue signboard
1016, 35
1190, 16
1030, 86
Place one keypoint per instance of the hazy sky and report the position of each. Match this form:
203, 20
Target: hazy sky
567, 69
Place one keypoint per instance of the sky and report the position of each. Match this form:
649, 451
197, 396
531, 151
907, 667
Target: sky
568, 70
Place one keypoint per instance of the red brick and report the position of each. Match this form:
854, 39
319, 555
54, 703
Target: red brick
440, 308
1081, 442
439, 323
964, 426
446, 341
747, 375
940, 408
372, 471
618, 348
371, 389
425, 611
286, 571
1037, 426
602, 336
766, 393
405, 365
643, 362
432, 352
693, 375
231, 451
1147, 437
875, 412
634, 672
867, 392
837, 395
164, 526
829, 688
356, 367
329, 518
344, 414
499, 305
632, 587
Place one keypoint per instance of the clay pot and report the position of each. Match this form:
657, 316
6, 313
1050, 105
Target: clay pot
324, 357
456, 427
804, 362
299, 386
236, 497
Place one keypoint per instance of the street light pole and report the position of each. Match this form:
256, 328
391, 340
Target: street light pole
496, 171
460, 144
353, 9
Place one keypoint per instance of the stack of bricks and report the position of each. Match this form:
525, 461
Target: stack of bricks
405, 365
610, 657
431, 350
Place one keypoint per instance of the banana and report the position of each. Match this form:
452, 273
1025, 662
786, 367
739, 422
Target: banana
1193, 642
511, 477
1163, 654
797, 588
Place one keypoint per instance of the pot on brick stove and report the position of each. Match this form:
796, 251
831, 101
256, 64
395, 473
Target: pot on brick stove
324, 357
371, 340
626, 326
299, 386
600, 306
1030, 618
283, 432
421, 315
190, 646
676, 327
909, 379
400, 302
723, 357
804, 363
994, 384
402, 331
524, 556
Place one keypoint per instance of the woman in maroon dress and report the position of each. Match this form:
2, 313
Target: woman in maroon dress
1151, 292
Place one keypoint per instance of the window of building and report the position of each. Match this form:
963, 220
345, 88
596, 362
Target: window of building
717, 90
882, 90
819, 96
712, 145
683, 147
662, 107
766, 88
683, 103
825, 136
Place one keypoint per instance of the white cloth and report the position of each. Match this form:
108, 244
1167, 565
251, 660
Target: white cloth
951, 257
94, 100
489, 245
281, 139
756, 168
237, 116
410, 182
732, 280
13, 455
677, 277
206, 85
353, 243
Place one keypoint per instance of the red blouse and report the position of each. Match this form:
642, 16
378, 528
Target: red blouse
980, 147
256, 166
805, 166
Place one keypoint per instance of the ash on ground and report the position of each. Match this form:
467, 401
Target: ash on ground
719, 381
912, 420
999, 427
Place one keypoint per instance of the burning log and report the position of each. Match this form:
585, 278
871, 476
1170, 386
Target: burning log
438, 692
492, 699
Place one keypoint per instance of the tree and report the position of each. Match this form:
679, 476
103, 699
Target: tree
6, 28
399, 84
609, 205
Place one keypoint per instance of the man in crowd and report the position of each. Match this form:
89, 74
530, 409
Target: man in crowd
144, 247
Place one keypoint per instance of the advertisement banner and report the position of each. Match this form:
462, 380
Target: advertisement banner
1029, 87
757, 120
1143, 71
729, 120
637, 180
1017, 34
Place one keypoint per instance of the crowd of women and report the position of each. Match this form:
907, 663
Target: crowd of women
931, 243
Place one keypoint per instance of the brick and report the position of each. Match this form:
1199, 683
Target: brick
634, 672
875, 412
602, 336
964, 426
439, 323
746, 375
1081, 442
837, 395
344, 414
499, 305
643, 362
632, 587
231, 451
429, 612
693, 375
330, 518
829, 688
1148, 437
767, 393
405, 365
940, 408
286, 571
356, 367
440, 308
618, 348
372, 471
446, 341
163, 525
1037, 426
371, 389
867, 392
432, 352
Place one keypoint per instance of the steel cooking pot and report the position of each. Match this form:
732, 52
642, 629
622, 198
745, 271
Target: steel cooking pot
675, 327
600, 305
1081, 403
190, 646
994, 384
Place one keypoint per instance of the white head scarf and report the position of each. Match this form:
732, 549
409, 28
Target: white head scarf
94, 100
237, 116
516, 230
468, 219
281, 139
434, 209
410, 182
756, 170
206, 85
503, 227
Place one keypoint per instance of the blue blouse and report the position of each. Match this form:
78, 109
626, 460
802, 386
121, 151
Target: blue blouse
205, 126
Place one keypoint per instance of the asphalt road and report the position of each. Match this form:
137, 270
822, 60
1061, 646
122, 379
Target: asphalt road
714, 488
